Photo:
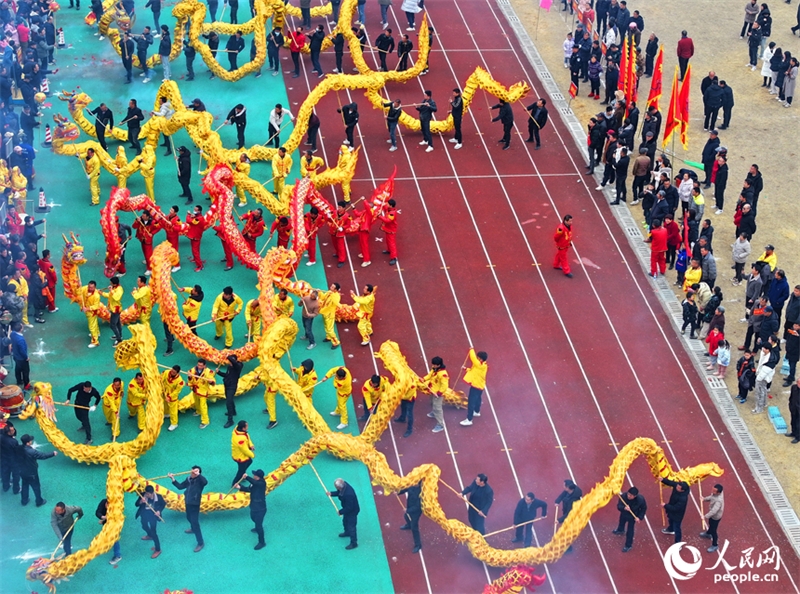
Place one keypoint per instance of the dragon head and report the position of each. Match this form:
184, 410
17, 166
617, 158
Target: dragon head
65, 129
77, 101
73, 250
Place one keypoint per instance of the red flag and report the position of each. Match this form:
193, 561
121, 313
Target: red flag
622, 85
656, 84
673, 114
683, 106
573, 90
630, 95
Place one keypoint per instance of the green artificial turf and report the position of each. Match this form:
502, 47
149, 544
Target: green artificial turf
303, 553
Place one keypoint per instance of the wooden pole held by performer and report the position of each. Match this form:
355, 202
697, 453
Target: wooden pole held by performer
156, 478
321, 482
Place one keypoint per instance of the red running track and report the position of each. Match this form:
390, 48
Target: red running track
578, 367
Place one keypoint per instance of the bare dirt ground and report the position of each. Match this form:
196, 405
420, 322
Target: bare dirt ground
762, 131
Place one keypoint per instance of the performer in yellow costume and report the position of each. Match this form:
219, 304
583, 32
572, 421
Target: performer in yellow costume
21, 287
143, 299
345, 156
19, 185
282, 304
310, 165
242, 450
372, 391
114, 294
306, 377
172, 383
366, 307
191, 305
281, 165
93, 175
329, 301
227, 306
112, 400
343, 382
436, 383
252, 315
137, 396
243, 167
269, 401
90, 303
147, 167
201, 378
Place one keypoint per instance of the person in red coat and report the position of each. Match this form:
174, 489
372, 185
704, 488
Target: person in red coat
226, 247
197, 225
13, 224
364, 223
658, 248
284, 229
254, 227
145, 229
46, 266
685, 51
313, 223
337, 227
673, 239
563, 239
388, 217
172, 227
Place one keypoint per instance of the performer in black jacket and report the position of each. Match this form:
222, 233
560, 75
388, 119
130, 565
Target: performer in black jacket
506, 116
526, 512
350, 115
238, 116
103, 118
150, 506
230, 381
676, 507
84, 392
185, 173
481, 496
536, 121
632, 508
194, 486
349, 511
258, 503
413, 513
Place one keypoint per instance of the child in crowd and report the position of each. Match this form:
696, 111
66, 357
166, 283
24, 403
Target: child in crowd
568, 43
689, 314
723, 357
746, 374
681, 262
714, 338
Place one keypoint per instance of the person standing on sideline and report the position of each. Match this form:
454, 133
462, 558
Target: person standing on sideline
230, 382
727, 104
792, 337
676, 507
506, 117
426, 110
712, 102
632, 509
62, 521
19, 352
155, 6
310, 304
765, 371
750, 11
754, 38
476, 378
436, 383
343, 385
685, 52
563, 239
650, 53
349, 512
641, 173
29, 470
720, 182
413, 513
457, 111
242, 450
102, 516
536, 121
709, 155
525, 513
194, 486
716, 507
658, 248
150, 506
10, 451
480, 496
84, 392
621, 170
258, 503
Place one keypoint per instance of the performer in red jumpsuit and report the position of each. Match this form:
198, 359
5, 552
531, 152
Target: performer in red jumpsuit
284, 229
46, 266
563, 239
145, 229
658, 248
337, 228
364, 223
196, 228
226, 247
172, 227
254, 227
313, 223
388, 217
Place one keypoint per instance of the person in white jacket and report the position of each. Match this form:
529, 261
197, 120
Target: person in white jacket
716, 507
764, 373
766, 69
276, 119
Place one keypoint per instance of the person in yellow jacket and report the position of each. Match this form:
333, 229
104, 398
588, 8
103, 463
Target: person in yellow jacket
306, 377
270, 390
114, 294
242, 450
366, 307
310, 165
372, 391
143, 300
770, 257
252, 316
692, 275
476, 378
92, 169
343, 382
407, 410
172, 383
227, 306
436, 383
22, 290
137, 396
281, 165
147, 167
191, 305
282, 305
90, 303
243, 168
112, 400
201, 378
329, 301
